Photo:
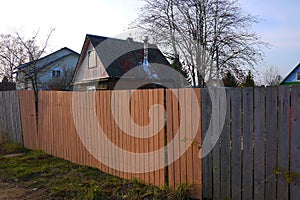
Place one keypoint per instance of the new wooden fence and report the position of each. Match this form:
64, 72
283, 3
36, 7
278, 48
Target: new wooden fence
10, 121
256, 156
258, 153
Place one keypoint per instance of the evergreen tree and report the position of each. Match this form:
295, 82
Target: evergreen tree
249, 80
176, 64
229, 80
5, 79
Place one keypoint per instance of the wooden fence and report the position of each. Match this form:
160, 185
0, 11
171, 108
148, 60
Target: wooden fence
256, 156
258, 153
10, 121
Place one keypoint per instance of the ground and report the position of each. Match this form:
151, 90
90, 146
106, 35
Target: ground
26, 174
10, 190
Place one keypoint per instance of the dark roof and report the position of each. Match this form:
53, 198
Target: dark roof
132, 57
22, 66
290, 73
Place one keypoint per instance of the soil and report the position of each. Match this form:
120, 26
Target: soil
10, 190
14, 191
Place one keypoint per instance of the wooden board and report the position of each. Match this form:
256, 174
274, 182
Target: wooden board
259, 137
197, 161
271, 138
295, 143
10, 119
247, 143
207, 168
236, 153
28, 117
283, 140
225, 150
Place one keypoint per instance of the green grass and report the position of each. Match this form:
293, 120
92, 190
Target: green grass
63, 179
9, 148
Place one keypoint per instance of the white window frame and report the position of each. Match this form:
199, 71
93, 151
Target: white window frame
298, 76
94, 63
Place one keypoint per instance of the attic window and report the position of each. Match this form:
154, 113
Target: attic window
298, 76
92, 61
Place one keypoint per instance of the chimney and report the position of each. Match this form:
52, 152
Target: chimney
145, 39
129, 39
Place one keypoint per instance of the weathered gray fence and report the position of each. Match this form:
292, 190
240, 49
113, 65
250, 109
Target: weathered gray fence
10, 121
258, 153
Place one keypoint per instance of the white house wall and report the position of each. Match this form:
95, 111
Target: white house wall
85, 73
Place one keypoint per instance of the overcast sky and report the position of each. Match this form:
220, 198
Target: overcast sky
72, 19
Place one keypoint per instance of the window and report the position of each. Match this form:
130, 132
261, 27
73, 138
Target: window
56, 73
91, 88
92, 60
298, 76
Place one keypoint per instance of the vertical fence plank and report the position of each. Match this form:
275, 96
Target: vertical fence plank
106, 96
225, 151
215, 122
259, 136
162, 139
111, 130
3, 129
146, 140
283, 140
236, 156
188, 130
183, 139
120, 135
126, 124
156, 139
247, 143
176, 131
28, 118
151, 140
295, 143
207, 168
12, 116
197, 162
170, 136
271, 144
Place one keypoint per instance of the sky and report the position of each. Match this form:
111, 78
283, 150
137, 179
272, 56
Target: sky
73, 19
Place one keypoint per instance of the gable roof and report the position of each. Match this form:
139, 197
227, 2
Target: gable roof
51, 61
118, 56
292, 72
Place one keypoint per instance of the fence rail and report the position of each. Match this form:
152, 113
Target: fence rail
256, 156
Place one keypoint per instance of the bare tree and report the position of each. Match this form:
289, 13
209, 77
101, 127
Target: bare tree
211, 36
16, 50
271, 76
12, 54
62, 83
34, 50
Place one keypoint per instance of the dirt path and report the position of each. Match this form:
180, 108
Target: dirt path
15, 191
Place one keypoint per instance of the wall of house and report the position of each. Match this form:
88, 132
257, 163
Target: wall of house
293, 77
85, 73
67, 63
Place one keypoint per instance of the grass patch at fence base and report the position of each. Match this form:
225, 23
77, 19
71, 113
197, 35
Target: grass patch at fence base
59, 178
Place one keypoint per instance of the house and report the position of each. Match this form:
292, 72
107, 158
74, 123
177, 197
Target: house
54, 71
293, 78
106, 61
